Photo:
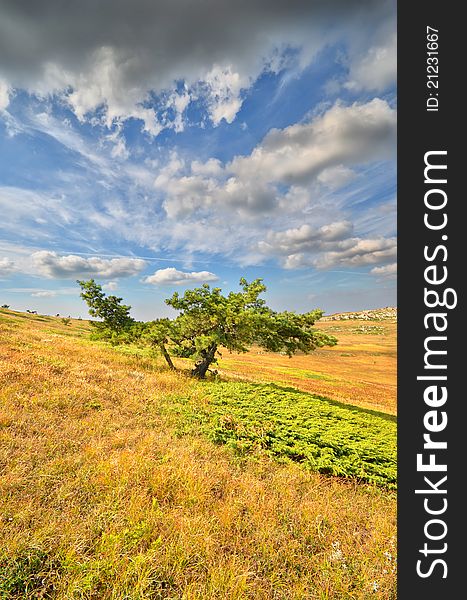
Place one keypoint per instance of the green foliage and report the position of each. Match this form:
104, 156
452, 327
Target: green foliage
322, 435
207, 317
209, 320
28, 575
115, 315
158, 334
291, 332
66, 320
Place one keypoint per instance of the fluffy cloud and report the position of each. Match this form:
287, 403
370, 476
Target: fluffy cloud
50, 264
305, 238
321, 151
376, 67
357, 252
327, 246
4, 94
341, 137
223, 88
115, 64
172, 276
7, 266
286, 176
293, 183
386, 272
336, 177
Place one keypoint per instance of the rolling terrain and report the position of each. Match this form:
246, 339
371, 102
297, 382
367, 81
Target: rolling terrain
123, 480
359, 370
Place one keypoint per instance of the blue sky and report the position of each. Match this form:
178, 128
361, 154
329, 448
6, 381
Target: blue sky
157, 146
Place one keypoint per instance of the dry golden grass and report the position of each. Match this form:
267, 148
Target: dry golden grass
101, 499
359, 370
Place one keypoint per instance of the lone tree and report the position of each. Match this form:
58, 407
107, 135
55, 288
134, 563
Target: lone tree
209, 321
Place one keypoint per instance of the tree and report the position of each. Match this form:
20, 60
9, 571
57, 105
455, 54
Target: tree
158, 334
119, 327
208, 320
5, 306
115, 315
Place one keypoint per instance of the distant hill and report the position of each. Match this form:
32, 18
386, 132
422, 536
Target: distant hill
374, 314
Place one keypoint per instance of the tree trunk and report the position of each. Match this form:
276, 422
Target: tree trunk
202, 365
166, 355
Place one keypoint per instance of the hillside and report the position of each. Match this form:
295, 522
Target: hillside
360, 370
121, 479
374, 314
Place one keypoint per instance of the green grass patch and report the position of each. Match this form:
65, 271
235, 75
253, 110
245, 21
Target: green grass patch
30, 574
303, 374
323, 435
7, 321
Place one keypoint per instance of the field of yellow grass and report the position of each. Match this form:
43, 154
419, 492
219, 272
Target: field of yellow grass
105, 494
359, 370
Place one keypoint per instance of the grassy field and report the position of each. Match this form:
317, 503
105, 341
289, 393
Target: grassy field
360, 370
123, 480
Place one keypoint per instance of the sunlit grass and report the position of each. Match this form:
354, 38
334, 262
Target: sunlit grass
360, 370
107, 494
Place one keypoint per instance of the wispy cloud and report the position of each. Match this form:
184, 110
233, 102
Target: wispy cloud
44, 294
151, 136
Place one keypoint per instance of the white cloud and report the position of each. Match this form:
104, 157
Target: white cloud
178, 103
111, 286
20, 206
294, 175
321, 151
113, 57
336, 177
210, 168
7, 266
223, 87
215, 207
100, 85
5, 91
343, 136
52, 265
44, 294
305, 238
357, 252
325, 247
119, 149
375, 68
172, 276
386, 272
